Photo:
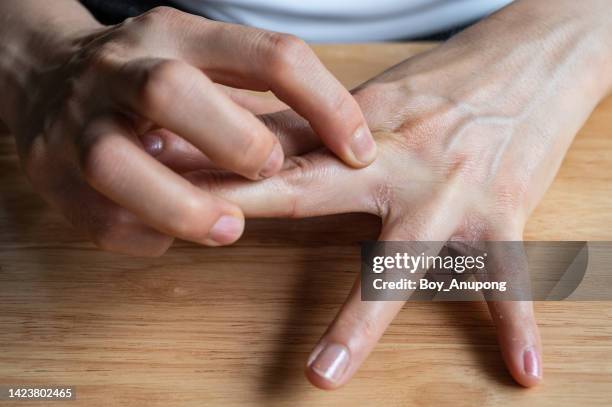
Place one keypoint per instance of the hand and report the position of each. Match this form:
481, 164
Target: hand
470, 136
105, 95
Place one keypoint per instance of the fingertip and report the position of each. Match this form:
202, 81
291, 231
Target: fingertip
519, 340
226, 230
274, 162
319, 382
528, 371
528, 381
362, 147
524, 363
328, 365
153, 143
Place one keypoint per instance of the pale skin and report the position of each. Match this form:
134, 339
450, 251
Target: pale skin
469, 136
81, 97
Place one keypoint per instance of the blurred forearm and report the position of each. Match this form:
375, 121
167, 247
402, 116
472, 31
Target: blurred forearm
33, 36
587, 23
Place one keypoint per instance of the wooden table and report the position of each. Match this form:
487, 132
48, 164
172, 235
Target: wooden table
233, 326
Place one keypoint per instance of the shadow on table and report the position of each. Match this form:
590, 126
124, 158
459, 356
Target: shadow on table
328, 261
329, 266
324, 284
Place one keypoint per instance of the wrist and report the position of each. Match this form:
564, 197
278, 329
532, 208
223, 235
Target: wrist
27, 52
570, 41
583, 27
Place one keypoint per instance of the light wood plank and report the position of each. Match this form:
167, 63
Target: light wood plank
233, 326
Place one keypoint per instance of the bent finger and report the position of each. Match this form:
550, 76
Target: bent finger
114, 165
109, 226
293, 132
174, 151
289, 68
180, 98
254, 103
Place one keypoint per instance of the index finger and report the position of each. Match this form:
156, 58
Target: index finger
288, 67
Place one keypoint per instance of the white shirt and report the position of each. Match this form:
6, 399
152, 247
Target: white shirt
347, 20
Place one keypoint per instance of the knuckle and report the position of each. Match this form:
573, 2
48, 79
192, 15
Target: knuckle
103, 58
285, 51
160, 84
161, 14
190, 222
510, 196
369, 97
374, 94
474, 228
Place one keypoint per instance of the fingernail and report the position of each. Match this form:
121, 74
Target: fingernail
363, 145
275, 161
152, 143
227, 229
531, 362
330, 361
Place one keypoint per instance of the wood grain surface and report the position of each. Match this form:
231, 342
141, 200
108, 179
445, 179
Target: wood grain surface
233, 326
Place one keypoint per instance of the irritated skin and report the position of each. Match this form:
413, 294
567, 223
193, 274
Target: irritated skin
470, 136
